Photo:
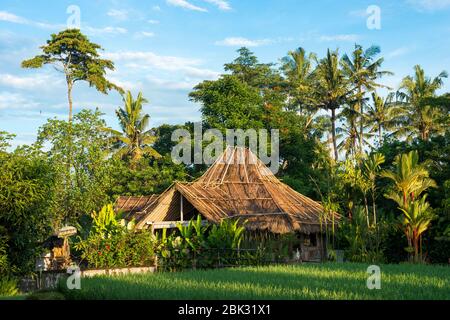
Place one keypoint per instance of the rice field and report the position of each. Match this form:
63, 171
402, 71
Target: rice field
308, 281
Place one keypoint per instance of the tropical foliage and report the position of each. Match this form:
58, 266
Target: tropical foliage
136, 139
342, 142
113, 243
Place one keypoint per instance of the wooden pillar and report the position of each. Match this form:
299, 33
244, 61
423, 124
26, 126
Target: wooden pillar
181, 208
152, 229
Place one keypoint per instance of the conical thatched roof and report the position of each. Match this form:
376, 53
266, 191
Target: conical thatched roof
238, 185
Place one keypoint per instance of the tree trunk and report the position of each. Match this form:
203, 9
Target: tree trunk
69, 96
416, 248
70, 146
366, 205
333, 132
374, 209
361, 124
410, 245
380, 135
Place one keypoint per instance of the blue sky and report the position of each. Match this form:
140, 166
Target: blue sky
164, 47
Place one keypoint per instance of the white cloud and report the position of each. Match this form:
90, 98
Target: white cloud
156, 8
118, 14
38, 81
339, 37
430, 5
102, 31
221, 4
243, 42
167, 72
144, 34
153, 21
203, 74
397, 52
186, 5
13, 101
125, 84
9, 17
140, 59
172, 85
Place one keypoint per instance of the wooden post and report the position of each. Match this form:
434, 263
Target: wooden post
152, 229
181, 208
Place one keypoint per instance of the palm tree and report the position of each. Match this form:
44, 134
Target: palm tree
350, 136
410, 179
362, 70
331, 89
421, 118
370, 172
299, 70
416, 220
383, 114
135, 140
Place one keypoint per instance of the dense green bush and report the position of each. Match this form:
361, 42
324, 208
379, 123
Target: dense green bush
363, 243
111, 243
199, 246
8, 285
26, 191
123, 249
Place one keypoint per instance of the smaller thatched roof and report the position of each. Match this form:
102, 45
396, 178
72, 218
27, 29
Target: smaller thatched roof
131, 206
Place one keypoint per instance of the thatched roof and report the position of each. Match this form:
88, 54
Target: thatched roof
238, 185
131, 206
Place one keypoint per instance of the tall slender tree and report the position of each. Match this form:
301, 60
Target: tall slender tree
298, 68
71, 53
331, 89
362, 70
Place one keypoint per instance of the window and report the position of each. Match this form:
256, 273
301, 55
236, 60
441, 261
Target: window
310, 240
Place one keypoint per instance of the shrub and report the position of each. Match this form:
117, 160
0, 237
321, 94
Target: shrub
112, 243
8, 285
364, 243
198, 246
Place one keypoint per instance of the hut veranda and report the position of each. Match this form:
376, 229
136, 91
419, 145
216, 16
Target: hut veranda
238, 186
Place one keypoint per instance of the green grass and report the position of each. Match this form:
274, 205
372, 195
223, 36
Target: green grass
307, 281
16, 297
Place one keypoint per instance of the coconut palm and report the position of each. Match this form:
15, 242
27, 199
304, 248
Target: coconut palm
298, 67
135, 140
421, 119
349, 135
383, 114
410, 179
416, 220
331, 89
362, 70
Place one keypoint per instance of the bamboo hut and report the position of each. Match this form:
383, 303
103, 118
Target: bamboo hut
239, 186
